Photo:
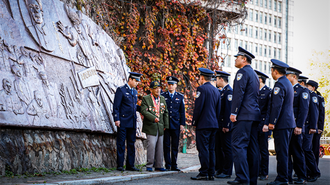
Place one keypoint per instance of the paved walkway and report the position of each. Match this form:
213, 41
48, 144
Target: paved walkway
186, 162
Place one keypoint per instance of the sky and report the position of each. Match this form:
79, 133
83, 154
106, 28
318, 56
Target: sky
311, 31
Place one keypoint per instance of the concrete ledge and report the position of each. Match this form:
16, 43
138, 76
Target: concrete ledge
120, 178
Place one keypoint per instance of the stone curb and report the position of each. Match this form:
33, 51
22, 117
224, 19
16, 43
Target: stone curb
119, 178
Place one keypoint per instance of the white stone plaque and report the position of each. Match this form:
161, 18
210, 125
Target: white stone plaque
88, 77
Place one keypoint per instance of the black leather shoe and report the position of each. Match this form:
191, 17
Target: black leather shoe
211, 178
312, 179
262, 177
300, 181
223, 176
199, 177
237, 183
175, 169
277, 183
132, 169
295, 179
120, 169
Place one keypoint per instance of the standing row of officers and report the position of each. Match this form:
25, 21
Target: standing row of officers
232, 125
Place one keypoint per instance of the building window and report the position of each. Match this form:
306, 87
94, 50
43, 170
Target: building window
279, 22
279, 54
246, 45
280, 7
251, 31
265, 67
270, 36
228, 28
270, 4
269, 68
256, 36
275, 19
266, 3
270, 52
270, 20
256, 51
279, 38
250, 46
274, 52
251, 15
228, 61
241, 43
236, 29
275, 37
260, 50
266, 20
260, 66
251, 1
241, 30
256, 16
265, 37
260, 33
265, 52
257, 2
246, 30
261, 15
236, 44
275, 5
261, 3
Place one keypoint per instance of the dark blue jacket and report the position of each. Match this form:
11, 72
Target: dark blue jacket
313, 114
245, 95
226, 99
264, 105
320, 122
124, 107
300, 104
281, 109
176, 109
207, 107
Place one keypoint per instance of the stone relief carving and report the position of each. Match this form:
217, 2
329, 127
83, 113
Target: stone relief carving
39, 75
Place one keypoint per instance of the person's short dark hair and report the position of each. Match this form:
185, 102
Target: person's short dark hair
263, 79
247, 59
280, 70
207, 78
225, 78
305, 81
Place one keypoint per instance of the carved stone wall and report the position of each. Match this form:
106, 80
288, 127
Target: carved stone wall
36, 151
58, 71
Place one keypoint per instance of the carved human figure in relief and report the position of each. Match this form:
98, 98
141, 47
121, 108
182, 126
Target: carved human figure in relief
28, 65
9, 100
94, 104
51, 93
37, 110
38, 29
8, 56
21, 86
77, 35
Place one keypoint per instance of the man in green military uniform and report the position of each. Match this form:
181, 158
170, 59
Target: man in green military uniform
155, 121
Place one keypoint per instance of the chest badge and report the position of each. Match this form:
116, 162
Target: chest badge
315, 99
198, 94
230, 97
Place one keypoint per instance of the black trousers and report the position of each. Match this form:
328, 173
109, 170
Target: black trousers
171, 147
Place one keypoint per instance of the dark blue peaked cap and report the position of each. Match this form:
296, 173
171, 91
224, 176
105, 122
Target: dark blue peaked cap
135, 75
301, 78
243, 52
292, 70
261, 74
222, 73
205, 72
279, 64
172, 80
313, 83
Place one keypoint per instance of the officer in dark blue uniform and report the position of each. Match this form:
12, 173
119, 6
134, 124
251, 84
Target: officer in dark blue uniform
300, 109
206, 118
280, 118
223, 150
124, 113
320, 126
245, 116
264, 103
310, 129
176, 109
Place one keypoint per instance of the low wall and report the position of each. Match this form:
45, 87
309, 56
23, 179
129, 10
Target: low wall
36, 151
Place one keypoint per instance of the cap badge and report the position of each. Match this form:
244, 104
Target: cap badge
170, 78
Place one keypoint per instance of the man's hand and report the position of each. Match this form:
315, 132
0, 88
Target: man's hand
265, 128
233, 118
271, 126
312, 131
224, 130
181, 127
319, 131
297, 131
117, 123
156, 120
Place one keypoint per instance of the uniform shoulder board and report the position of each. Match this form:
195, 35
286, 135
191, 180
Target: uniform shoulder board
180, 94
123, 86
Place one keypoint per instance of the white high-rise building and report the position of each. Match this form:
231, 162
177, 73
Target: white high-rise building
265, 33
